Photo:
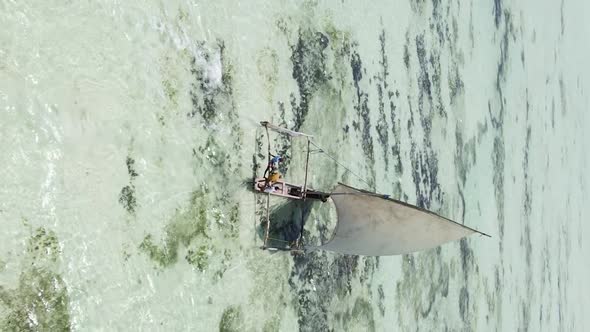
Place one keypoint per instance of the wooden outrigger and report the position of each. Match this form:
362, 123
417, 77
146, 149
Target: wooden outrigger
288, 190
284, 189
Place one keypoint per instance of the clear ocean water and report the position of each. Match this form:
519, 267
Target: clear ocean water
129, 131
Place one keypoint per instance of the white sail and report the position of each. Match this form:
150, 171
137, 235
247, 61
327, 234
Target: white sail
371, 224
283, 130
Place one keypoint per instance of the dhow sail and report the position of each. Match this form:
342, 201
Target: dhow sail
371, 224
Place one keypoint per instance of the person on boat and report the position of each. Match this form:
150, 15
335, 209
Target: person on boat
272, 174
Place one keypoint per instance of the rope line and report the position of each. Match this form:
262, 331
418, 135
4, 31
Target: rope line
340, 164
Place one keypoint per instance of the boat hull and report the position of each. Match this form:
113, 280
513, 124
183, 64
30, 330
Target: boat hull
279, 188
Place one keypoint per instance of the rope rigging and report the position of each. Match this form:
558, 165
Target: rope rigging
318, 149
321, 150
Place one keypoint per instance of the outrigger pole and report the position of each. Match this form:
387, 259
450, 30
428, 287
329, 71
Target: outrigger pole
267, 231
291, 133
303, 195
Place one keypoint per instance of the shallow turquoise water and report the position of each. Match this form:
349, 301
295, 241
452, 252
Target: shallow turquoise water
129, 129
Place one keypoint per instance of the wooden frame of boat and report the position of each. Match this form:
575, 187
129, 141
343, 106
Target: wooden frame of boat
284, 189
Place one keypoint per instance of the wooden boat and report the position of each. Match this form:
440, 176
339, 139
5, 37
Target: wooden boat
369, 223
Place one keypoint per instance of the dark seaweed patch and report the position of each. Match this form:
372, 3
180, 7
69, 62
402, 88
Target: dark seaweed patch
127, 195
497, 120
465, 157
424, 83
562, 20
231, 320
424, 163
525, 315
467, 265
527, 185
309, 70
497, 11
426, 279
467, 260
498, 151
363, 113
425, 177
330, 278
308, 57
381, 79
526, 235
208, 96
362, 311
381, 303
498, 156
425, 275
383, 89
456, 85
436, 82
562, 95
258, 157
127, 198
553, 113
319, 279
464, 304
406, 56
283, 142
131, 167
418, 6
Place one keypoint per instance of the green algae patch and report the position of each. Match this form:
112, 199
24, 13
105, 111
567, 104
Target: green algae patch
232, 225
195, 228
225, 264
171, 92
362, 313
359, 318
273, 324
183, 228
164, 256
199, 257
40, 301
203, 230
231, 319
43, 245
213, 154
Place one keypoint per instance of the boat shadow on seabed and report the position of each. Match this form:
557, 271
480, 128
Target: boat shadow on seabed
288, 221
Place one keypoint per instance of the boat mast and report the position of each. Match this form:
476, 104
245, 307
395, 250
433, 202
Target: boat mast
267, 230
303, 194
